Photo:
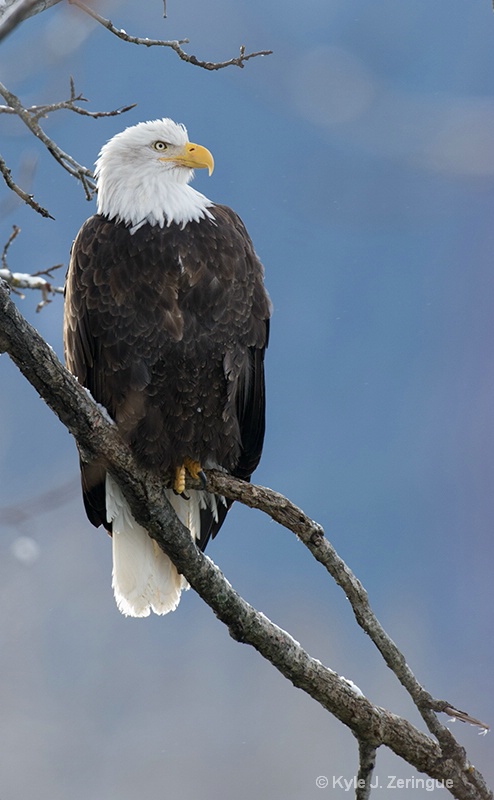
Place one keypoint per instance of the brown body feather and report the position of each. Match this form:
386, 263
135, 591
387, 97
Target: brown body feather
167, 328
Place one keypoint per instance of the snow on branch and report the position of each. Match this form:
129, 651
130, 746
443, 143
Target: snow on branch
23, 280
441, 757
173, 44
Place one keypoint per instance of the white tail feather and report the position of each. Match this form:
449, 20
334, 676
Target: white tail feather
144, 578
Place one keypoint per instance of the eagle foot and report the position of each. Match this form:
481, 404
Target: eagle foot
195, 471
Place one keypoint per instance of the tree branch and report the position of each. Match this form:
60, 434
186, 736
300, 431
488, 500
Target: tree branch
11, 15
27, 198
311, 534
174, 44
367, 762
38, 112
98, 438
22, 280
31, 117
64, 159
14, 12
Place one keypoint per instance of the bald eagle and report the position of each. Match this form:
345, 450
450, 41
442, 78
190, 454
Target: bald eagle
166, 323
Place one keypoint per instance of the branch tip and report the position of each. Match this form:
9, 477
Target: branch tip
175, 44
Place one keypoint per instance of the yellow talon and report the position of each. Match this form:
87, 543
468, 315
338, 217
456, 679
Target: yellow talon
179, 482
195, 471
193, 468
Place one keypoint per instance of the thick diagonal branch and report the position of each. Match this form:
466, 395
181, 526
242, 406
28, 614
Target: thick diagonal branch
312, 535
99, 438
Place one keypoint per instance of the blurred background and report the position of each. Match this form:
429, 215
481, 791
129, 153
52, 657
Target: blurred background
360, 155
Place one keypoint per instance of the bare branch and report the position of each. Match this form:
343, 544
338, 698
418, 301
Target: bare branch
22, 280
64, 159
312, 536
27, 198
175, 44
15, 233
239, 61
99, 439
41, 111
31, 116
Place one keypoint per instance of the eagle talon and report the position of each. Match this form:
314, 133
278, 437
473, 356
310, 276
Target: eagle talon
195, 470
179, 482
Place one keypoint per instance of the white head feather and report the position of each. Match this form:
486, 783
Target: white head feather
136, 186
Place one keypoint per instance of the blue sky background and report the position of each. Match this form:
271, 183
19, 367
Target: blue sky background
361, 157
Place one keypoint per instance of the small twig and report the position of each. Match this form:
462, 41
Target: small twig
462, 716
48, 272
239, 61
175, 44
27, 198
39, 112
42, 111
15, 233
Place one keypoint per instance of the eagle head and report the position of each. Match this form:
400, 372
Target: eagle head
143, 174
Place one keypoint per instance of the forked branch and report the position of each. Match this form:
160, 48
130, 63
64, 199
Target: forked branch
31, 118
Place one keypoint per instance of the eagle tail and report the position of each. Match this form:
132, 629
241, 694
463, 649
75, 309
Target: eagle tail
144, 578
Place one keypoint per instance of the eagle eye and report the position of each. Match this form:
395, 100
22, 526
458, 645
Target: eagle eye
160, 145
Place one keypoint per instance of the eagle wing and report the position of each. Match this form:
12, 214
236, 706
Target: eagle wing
139, 306
244, 370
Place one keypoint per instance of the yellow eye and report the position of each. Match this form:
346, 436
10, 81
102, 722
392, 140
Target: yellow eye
160, 146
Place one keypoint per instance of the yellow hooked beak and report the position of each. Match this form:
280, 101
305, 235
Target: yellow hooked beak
194, 156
